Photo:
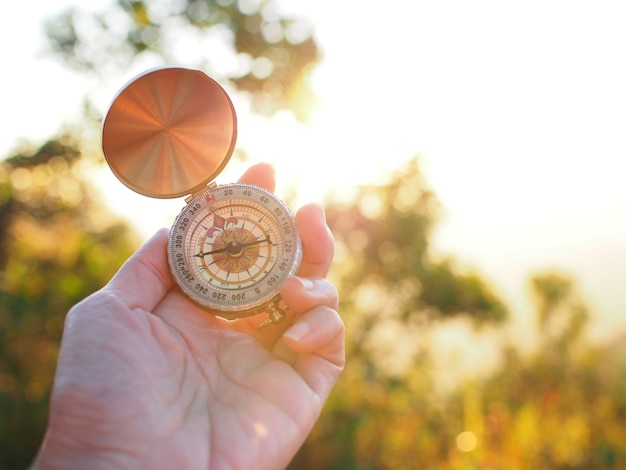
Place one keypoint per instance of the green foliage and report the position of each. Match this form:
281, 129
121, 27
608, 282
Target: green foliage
560, 407
385, 238
561, 314
57, 245
251, 43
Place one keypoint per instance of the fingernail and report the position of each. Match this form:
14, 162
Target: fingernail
306, 283
323, 212
297, 331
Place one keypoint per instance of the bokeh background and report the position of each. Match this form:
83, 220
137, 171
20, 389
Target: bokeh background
470, 156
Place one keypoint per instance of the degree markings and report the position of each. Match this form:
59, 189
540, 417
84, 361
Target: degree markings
258, 220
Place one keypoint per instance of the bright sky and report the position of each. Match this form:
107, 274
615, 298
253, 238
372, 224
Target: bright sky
517, 109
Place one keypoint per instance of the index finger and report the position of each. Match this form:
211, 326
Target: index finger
261, 175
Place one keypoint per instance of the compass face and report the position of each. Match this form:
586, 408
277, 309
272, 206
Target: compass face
231, 247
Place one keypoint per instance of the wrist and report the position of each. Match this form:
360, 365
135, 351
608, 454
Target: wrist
55, 453
70, 445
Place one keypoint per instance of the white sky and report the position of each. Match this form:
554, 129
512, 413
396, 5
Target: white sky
517, 109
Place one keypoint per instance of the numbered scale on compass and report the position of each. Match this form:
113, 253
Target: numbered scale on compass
232, 247
168, 133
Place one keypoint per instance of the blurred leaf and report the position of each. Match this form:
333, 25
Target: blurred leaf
56, 247
251, 44
562, 315
386, 234
560, 406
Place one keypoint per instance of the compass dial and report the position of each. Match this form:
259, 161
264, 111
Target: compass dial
231, 247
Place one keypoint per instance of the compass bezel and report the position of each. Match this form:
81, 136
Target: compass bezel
249, 298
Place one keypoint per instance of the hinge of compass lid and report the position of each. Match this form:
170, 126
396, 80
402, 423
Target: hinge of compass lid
202, 189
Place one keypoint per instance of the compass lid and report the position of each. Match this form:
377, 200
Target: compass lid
169, 132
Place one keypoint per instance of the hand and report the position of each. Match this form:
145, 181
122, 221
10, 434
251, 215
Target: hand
146, 379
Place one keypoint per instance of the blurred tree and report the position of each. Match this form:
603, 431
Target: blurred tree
563, 406
249, 42
562, 409
386, 235
391, 281
57, 245
384, 412
561, 314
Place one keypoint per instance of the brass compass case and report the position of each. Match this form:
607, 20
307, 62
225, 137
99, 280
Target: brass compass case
168, 133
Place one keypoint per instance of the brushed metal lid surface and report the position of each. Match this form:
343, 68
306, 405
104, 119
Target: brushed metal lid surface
169, 132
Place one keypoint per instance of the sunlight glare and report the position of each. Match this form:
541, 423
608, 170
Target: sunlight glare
371, 206
261, 429
466, 441
262, 67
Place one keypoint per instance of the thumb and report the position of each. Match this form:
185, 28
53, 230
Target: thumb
144, 279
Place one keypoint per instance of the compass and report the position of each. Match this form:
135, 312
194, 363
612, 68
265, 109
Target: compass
168, 133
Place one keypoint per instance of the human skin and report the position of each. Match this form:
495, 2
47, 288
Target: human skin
147, 379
